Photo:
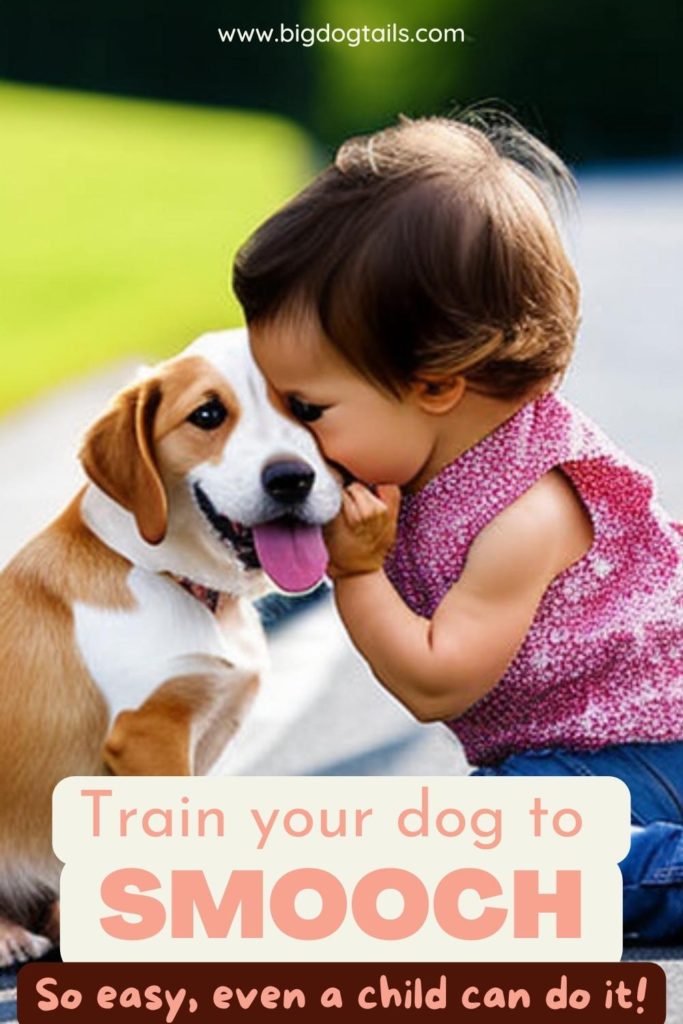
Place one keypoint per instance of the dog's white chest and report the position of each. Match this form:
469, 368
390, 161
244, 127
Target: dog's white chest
130, 653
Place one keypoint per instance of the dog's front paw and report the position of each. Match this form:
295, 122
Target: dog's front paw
149, 741
118, 737
18, 945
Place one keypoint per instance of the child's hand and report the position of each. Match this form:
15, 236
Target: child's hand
360, 537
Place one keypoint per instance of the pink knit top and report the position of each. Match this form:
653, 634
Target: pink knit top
602, 662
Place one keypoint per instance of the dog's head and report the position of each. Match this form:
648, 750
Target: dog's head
209, 469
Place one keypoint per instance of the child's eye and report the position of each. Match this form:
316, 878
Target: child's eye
307, 412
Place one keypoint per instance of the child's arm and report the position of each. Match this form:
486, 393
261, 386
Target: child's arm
440, 667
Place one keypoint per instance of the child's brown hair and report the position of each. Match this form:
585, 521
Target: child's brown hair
427, 248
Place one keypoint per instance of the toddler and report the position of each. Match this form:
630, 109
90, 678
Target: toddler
499, 562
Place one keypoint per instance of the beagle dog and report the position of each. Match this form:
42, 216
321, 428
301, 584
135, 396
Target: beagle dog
129, 641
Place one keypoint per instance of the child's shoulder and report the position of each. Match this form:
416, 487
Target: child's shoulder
548, 519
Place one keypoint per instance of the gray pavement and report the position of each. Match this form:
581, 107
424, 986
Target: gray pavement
628, 371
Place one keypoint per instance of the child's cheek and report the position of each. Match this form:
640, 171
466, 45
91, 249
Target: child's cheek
328, 439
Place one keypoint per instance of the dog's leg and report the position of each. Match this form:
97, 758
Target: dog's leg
17, 943
154, 740
52, 925
161, 736
215, 730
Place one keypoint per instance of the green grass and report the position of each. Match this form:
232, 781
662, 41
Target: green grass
119, 222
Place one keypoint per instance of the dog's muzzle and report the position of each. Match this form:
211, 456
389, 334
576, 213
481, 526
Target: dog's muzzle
289, 550
239, 537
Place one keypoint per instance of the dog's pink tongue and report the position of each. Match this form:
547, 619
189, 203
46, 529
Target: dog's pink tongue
292, 554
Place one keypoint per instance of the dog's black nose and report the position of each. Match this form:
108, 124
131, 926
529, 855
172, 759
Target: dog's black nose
288, 481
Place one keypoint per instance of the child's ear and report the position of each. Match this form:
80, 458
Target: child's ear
438, 393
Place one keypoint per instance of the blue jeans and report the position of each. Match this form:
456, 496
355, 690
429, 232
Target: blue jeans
653, 869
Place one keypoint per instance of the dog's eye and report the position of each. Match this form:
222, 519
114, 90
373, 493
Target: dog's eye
307, 412
209, 415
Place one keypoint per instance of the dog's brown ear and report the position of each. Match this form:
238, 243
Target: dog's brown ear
118, 455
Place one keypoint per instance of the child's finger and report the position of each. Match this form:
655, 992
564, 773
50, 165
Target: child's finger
375, 501
359, 500
390, 494
366, 503
360, 503
357, 490
352, 512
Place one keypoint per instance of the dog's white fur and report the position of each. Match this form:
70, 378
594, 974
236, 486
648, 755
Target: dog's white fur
109, 664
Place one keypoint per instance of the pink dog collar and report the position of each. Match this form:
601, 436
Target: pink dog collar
205, 595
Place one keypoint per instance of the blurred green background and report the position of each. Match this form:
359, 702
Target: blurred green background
120, 219
138, 150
